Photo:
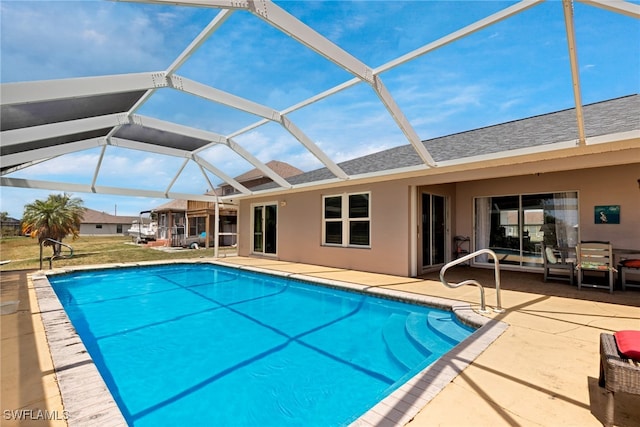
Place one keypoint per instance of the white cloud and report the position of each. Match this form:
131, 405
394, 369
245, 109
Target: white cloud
69, 165
47, 40
94, 37
167, 18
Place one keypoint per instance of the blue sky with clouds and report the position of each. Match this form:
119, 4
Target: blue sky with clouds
511, 70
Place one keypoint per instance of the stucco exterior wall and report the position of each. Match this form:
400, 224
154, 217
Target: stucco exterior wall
300, 215
106, 230
300, 229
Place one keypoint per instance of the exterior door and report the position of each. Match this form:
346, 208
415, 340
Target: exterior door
434, 230
265, 228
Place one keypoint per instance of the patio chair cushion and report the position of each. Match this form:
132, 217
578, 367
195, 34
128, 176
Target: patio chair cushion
551, 256
631, 263
628, 343
594, 266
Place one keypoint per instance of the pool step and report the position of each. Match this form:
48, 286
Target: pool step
418, 328
402, 349
446, 327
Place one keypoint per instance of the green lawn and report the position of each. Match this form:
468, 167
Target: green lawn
24, 252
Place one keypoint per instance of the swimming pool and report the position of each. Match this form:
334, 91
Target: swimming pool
171, 344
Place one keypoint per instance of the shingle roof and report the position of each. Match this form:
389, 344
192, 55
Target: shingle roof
283, 169
173, 205
602, 118
95, 217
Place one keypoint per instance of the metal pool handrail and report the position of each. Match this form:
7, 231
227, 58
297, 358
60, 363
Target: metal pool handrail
460, 260
54, 256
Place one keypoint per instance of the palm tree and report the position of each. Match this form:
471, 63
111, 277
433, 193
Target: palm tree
55, 218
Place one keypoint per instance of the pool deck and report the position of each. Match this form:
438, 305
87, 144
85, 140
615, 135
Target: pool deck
542, 371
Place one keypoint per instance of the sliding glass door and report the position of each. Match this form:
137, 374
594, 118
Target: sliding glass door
434, 230
516, 226
265, 228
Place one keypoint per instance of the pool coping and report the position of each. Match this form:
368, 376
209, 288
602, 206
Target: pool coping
87, 399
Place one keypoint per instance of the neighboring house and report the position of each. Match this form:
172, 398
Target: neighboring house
10, 227
201, 220
102, 223
201, 215
172, 222
255, 177
501, 186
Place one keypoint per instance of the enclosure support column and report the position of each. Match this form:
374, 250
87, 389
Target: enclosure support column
216, 235
207, 224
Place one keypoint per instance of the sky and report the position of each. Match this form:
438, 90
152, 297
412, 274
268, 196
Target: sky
511, 70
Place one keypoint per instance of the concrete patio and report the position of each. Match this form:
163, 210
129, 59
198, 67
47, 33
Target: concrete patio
542, 371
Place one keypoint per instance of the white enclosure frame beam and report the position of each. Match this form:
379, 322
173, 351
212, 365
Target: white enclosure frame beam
12, 169
288, 24
83, 188
459, 34
313, 148
216, 4
618, 6
46, 90
477, 26
44, 185
206, 177
575, 70
269, 114
223, 176
171, 127
195, 44
402, 122
149, 82
175, 178
212, 94
258, 164
45, 153
35, 133
300, 105
211, 28
147, 148
98, 166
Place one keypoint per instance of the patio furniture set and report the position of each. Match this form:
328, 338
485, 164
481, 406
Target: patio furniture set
590, 257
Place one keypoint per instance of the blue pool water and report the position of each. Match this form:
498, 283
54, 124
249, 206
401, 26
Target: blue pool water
194, 345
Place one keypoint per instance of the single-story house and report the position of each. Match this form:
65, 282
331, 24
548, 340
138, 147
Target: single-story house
102, 223
10, 227
506, 187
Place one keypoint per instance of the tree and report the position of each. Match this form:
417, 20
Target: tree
55, 218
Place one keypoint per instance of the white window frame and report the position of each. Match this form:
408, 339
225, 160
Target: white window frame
345, 220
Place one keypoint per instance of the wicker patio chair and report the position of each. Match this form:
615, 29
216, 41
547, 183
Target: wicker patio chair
617, 373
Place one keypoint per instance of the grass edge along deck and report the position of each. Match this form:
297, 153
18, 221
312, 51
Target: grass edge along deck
86, 397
